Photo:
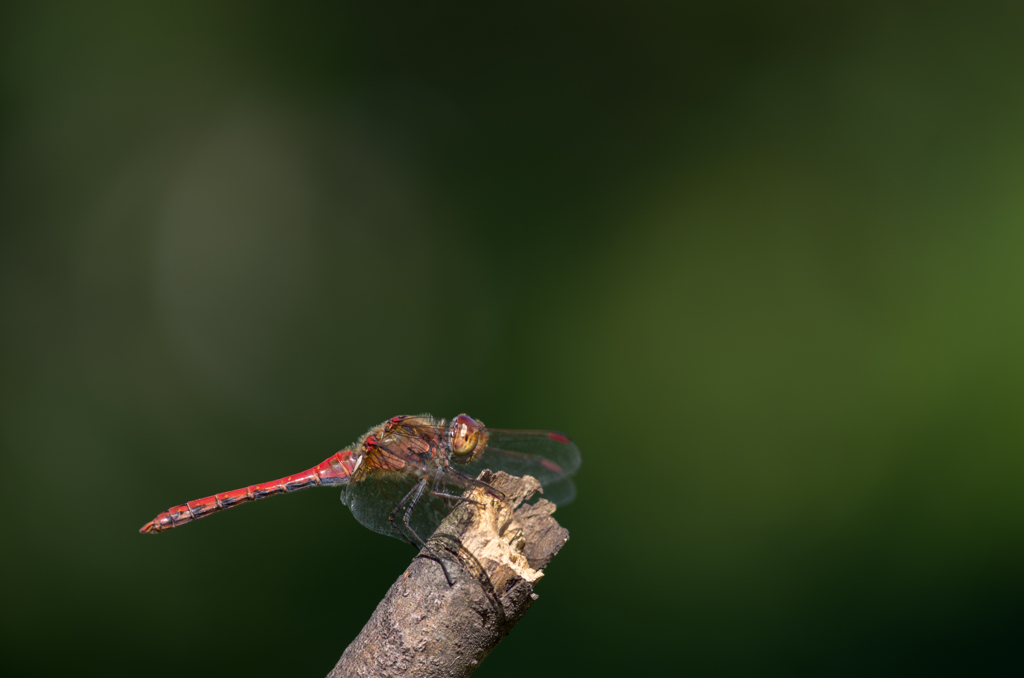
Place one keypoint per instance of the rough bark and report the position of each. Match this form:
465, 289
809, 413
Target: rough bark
426, 628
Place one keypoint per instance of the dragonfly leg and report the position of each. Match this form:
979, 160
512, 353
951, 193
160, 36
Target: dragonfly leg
473, 482
396, 511
436, 491
409, 502
457, 498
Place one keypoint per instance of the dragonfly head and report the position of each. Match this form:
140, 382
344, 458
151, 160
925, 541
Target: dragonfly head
466, 438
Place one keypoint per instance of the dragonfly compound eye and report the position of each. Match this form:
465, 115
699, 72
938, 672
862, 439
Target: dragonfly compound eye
466, 437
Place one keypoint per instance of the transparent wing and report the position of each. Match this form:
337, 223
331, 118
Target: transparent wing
548, 456
375, 493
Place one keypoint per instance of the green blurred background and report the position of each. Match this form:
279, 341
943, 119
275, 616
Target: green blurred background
765, 264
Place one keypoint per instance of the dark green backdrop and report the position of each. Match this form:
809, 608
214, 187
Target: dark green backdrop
765, 263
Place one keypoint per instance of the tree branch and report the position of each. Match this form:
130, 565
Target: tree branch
426, 628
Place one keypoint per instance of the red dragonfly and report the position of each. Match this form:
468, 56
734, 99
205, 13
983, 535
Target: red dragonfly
404, 476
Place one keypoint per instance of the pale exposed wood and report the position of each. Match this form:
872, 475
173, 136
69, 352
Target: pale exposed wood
425, 628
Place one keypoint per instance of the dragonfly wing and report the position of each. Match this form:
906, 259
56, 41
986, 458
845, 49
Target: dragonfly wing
374, 494
560, 492
548, 456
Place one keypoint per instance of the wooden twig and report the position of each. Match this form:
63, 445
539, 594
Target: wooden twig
426, 628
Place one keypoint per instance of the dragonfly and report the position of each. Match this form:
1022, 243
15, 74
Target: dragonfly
402, 477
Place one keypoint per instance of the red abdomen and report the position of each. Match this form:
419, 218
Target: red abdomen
335, 470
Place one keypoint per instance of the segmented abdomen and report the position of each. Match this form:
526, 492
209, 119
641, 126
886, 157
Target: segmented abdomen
335, 470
